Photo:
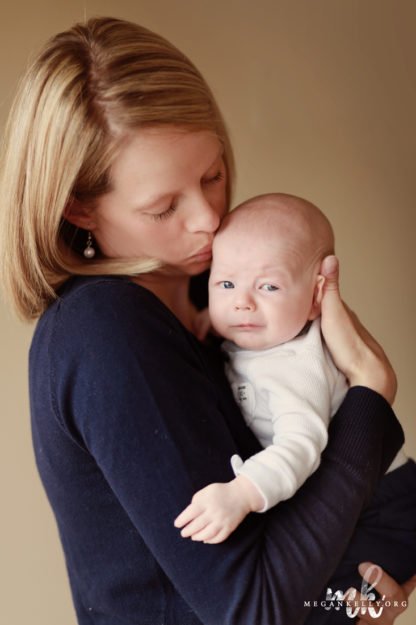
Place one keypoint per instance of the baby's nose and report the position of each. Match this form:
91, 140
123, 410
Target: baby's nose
244, 303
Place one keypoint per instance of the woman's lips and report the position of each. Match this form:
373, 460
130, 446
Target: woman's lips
205, 253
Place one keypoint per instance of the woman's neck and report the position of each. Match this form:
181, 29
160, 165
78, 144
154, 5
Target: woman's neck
173, 291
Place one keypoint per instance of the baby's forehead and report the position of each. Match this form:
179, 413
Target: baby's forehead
257, 251
267, 227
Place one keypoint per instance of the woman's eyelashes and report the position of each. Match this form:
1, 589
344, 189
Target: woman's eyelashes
217, 178
164, 214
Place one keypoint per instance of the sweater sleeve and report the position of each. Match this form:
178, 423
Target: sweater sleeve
131, 386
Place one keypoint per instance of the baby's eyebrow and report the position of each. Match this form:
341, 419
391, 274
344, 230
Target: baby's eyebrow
222, 271
276, 270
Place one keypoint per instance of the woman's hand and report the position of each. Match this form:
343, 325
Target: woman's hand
354, 350
393, 597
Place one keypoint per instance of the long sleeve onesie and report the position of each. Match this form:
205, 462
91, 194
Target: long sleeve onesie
131, 416
287, 395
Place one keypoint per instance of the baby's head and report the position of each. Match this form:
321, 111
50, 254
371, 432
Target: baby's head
265, 284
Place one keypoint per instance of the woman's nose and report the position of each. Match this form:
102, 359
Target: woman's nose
202, 216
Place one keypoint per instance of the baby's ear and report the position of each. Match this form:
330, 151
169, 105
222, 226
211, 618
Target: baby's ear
317, 297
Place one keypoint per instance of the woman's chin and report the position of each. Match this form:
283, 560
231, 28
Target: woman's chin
196, 268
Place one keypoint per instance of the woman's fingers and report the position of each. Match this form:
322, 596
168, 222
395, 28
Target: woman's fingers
393, 598
385, 584
409, 586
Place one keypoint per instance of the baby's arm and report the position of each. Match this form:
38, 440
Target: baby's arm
275, 473
299, 392
217, 509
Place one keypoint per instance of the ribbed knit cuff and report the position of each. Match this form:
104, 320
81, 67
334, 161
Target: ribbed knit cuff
365, 431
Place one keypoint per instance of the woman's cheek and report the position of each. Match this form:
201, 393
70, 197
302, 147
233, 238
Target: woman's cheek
218, 200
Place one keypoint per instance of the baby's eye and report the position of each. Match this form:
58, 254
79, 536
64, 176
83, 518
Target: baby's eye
226, 284
269, 287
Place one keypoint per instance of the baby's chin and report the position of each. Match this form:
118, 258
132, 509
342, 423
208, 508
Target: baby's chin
251, 340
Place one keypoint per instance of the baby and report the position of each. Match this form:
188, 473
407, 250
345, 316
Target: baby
264, 297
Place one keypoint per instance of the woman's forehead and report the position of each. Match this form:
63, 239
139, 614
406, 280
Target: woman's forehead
162, 153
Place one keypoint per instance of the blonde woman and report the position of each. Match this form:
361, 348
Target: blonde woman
116, 173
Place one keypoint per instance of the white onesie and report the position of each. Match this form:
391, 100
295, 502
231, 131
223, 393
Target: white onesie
287, 395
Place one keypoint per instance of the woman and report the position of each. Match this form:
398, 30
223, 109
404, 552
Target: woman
118, 167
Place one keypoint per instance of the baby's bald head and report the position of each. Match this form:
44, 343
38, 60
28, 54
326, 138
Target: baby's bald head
265, 283
286, 219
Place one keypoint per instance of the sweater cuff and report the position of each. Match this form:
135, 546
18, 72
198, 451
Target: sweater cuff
364, 423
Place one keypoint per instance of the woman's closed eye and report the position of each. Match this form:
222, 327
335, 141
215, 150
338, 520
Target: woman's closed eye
164, 214
217, 178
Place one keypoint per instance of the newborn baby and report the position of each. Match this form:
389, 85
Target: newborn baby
264, 298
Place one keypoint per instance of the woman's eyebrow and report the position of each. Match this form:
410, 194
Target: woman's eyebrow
220, 154
153, 200
156, 199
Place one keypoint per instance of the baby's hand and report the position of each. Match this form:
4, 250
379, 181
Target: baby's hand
217, 509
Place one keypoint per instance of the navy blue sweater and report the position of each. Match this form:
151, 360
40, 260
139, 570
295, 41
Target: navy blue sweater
130, 416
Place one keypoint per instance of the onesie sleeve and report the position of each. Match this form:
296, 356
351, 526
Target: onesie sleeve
140, 400
298, 393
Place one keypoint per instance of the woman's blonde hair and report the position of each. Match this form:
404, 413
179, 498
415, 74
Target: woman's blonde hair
86, 90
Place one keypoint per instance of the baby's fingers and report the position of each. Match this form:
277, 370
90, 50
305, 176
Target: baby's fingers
211, 534
195, 526
187, 515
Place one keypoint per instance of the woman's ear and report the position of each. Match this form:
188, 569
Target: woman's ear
317, 297
78, 214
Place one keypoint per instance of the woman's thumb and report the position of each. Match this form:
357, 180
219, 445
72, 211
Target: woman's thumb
333, 309
330, 270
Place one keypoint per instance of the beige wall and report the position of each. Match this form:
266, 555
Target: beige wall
320, 98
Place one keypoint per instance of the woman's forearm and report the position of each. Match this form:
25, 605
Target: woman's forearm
324, 512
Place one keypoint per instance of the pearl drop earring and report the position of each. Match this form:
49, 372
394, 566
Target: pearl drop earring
89, 251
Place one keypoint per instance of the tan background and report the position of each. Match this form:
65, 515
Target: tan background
320, 98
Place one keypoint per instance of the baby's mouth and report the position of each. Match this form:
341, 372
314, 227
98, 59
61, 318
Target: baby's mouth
248, 326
